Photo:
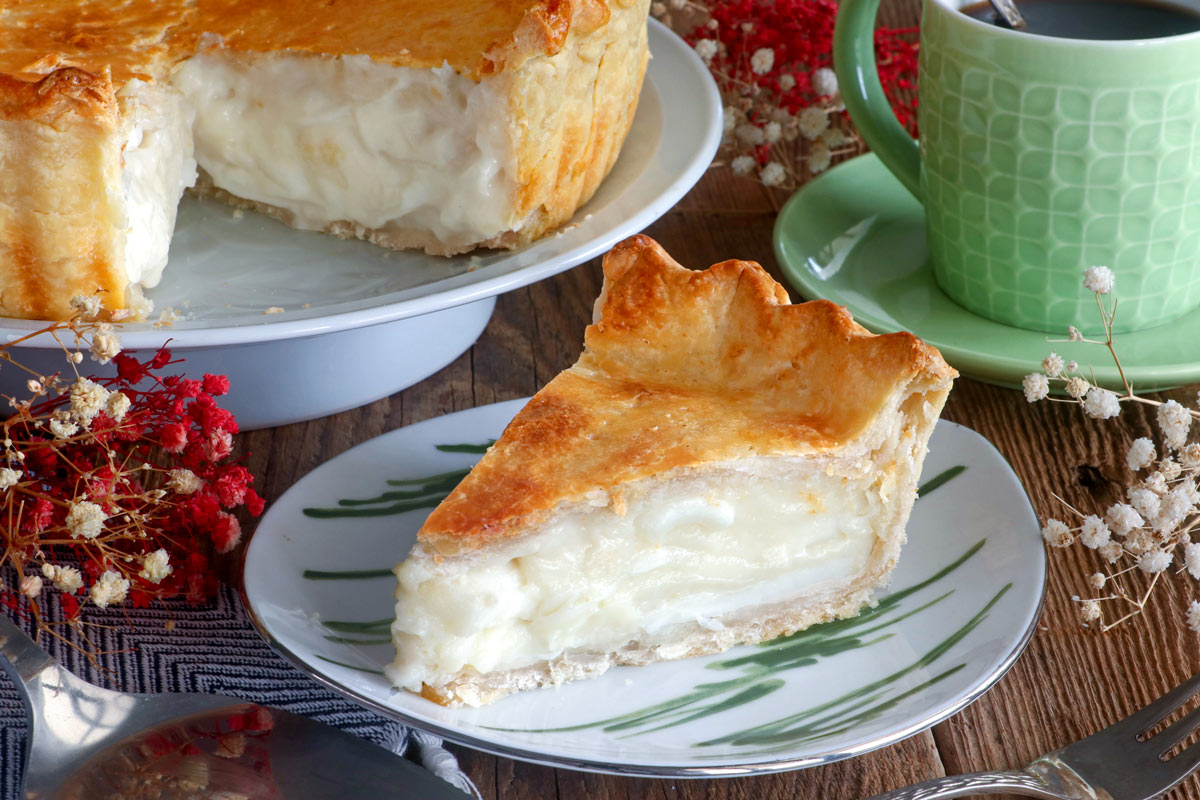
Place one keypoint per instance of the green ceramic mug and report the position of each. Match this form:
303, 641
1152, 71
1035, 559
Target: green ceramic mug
1039, 157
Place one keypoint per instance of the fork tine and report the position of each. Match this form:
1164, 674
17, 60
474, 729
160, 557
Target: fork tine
1177, 732
1181, 766
1146, 718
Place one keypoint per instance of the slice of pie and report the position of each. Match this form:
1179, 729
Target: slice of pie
719, 467
439, 125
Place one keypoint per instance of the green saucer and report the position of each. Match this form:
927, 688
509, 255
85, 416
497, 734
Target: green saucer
857, 237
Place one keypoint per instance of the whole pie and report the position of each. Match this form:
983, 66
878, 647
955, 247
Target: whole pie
444, 126
720, 466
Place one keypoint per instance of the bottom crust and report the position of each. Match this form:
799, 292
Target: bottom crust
393, 238
686, 641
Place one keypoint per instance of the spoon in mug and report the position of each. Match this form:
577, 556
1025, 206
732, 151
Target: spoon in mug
1007, 10
86, 742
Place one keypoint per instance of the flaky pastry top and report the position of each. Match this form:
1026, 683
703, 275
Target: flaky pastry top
147, 38
683, 368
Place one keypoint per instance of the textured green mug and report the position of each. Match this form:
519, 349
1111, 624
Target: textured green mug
1040, 157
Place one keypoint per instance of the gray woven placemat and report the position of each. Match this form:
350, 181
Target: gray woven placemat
212, 649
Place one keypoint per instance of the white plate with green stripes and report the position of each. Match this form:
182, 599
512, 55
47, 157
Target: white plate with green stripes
962, 606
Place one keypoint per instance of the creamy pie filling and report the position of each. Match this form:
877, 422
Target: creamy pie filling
347, 139
159, 165
660, 554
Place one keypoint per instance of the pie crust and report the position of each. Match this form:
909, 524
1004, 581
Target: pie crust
693, 385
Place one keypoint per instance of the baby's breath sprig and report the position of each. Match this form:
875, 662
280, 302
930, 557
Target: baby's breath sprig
784, 118
1149, 529
116, 489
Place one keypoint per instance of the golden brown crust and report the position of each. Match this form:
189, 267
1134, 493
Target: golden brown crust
576, 115
145, 38
59, 131
64, 92
683, 368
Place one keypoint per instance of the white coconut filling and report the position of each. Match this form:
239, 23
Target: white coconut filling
159, 165
592, 580
347, 139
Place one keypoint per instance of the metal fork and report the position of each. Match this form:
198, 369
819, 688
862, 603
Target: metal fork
1120, 762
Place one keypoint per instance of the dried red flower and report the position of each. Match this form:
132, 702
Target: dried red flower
112, 472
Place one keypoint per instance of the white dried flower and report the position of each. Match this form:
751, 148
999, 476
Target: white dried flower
772, 132
184, 481
819, 158
813, 122
1189, 456
85, 519
1056, 533
1036, 387
1101, 403
824, 81
750, 134
33, 386
75, 357
1146, 501
742, 165
106, 345
1097, 580
1156, 483
156, 566
1094, 533
1053, 365
762, 60
1122, 518
773, 174
118, 406
1177, 504
706, 49
1077, 387
66, 579
1193, 616
833, 137
1139, 541
1111, 552
31, 585
1174, 421
728, 120
87, 307
1074, 333
1154, 560
61, 427
1191, 559
787, 81
88, 399
1099, 279
9, 478
110, 588
1141, 454
712, 24
1170, 469
1089, 610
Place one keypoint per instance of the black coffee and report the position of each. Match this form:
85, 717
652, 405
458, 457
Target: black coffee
1097, 19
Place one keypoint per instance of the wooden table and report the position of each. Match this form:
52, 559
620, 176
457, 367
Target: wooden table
1069, 683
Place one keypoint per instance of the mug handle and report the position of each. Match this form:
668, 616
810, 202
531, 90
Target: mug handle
858, 78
